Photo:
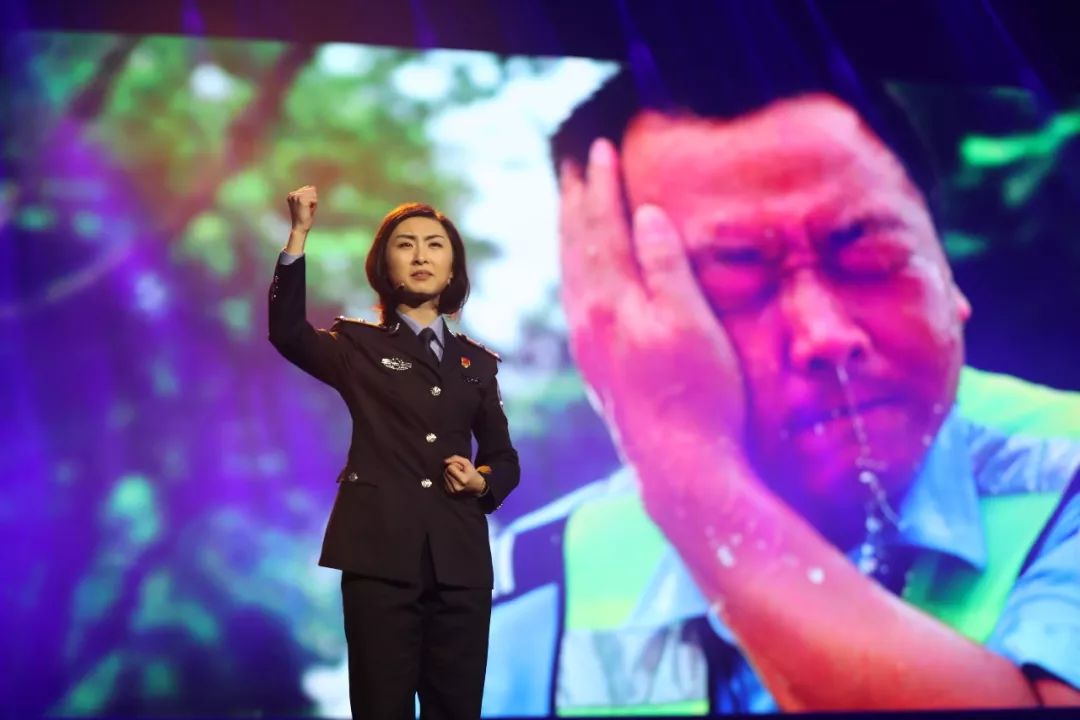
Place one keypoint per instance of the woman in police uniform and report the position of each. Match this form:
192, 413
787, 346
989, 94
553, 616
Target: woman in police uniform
408, 526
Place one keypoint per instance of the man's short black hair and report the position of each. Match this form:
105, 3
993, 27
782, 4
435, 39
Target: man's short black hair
726, 83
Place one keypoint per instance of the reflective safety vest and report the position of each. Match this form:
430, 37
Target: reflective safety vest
612, 551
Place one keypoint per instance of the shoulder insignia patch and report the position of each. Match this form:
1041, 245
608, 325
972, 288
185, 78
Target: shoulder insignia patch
361, 321
465, 338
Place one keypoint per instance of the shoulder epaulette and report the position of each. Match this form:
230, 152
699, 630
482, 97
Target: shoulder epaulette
360, 321
475, 343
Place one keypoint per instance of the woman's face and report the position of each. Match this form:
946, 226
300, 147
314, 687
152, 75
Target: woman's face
419, 256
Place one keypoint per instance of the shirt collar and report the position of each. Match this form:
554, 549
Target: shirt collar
438, 326
940, 511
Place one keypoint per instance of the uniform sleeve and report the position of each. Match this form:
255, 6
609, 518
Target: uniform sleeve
1040, 625
320, 353
494, 448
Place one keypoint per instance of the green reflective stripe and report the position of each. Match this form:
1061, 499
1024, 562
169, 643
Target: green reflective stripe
970, 601
611, 551
688, 707
1014, 406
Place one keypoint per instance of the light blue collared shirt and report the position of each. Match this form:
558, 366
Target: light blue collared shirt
438, 326
288, 258
1039, 625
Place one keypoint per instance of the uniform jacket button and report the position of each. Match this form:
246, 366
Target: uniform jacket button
425, 483
352, 477
436, 391
431, 437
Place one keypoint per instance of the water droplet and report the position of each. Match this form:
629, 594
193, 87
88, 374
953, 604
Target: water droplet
927, 441
841, 374
816, 575
864, 463
873, 524
736, 539
724, 555
938, 409
819, 429
867, 565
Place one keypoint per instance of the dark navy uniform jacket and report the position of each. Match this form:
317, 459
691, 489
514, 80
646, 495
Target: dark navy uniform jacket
409, 412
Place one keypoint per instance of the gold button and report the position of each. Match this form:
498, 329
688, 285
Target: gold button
425, 483
431, 437
436, 391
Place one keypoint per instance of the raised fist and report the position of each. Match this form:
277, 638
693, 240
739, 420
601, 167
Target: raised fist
302, 204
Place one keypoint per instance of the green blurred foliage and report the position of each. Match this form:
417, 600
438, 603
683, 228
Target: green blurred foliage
211, 135
1006, 167
216, 132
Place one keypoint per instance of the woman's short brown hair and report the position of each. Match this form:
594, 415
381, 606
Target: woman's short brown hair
452, 298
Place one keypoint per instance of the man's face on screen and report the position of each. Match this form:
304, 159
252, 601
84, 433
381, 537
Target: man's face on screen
820, 260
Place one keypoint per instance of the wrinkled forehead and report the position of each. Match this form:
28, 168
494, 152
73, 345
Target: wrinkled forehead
799, 152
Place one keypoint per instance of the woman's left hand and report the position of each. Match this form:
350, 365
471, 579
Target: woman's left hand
461, 477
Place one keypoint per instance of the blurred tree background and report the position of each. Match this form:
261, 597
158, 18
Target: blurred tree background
172, 473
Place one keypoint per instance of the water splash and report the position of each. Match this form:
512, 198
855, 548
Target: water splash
879, 512
865, 463
725, 556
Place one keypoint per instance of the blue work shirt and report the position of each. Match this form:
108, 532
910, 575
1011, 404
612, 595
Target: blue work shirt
1039, 625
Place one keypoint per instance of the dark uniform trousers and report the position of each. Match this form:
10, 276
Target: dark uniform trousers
406, 638
415, 560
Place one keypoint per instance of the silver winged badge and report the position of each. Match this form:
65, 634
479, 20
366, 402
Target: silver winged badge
396, 364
